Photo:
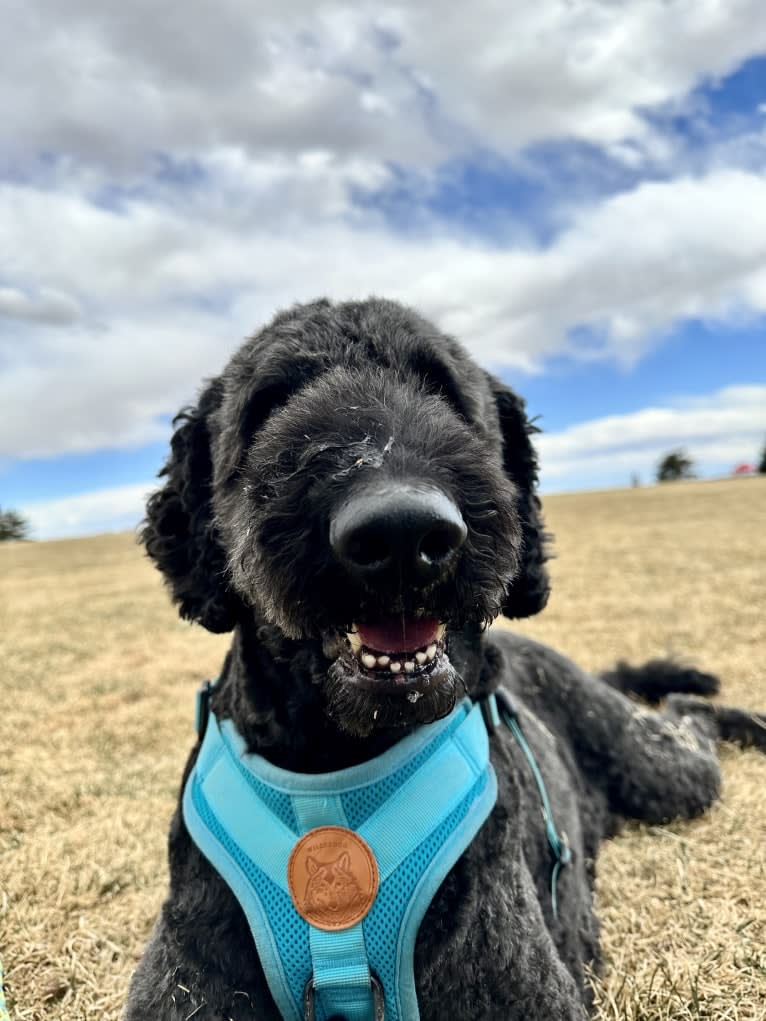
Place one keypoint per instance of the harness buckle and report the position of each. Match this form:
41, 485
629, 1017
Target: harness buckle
506, 703
490, 714
378, 1000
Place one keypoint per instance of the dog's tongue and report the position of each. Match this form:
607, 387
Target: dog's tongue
399, 634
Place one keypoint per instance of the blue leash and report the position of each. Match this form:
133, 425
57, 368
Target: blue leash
562, 853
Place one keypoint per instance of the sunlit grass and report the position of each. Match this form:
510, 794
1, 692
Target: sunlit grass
98, 682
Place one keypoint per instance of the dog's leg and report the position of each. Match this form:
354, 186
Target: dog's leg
168, 986
164, 987
538, 984
504, 965
746, 729
662, 678
153, 985
657, 765
668, 765
651, 765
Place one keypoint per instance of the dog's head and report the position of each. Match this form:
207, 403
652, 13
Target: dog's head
355, 480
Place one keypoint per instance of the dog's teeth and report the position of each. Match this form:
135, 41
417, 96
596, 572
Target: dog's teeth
395, 667
368, 660
409, 666
421, 657
354, 640
430, 652
384, 660
440, 632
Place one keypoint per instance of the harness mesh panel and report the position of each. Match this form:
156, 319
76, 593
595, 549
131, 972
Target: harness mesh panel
279, 803
360, 803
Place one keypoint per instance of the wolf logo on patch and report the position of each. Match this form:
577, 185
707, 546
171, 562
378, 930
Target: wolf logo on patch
333, 877
332, 890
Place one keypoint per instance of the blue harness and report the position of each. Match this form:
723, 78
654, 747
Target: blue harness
416, 807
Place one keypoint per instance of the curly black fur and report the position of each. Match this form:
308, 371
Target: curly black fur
323, 402
179, 534
658, 678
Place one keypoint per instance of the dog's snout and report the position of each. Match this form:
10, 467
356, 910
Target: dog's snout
397, 532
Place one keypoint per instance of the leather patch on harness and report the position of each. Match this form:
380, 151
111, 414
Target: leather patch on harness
333, 878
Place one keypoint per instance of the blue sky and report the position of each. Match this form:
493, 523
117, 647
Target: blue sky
583, 204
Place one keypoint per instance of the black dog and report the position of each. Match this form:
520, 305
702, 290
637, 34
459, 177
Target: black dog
355, 499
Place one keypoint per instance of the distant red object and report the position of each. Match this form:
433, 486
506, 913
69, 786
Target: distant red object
744, 469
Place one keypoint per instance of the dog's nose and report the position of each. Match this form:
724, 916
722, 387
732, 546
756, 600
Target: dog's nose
396, 532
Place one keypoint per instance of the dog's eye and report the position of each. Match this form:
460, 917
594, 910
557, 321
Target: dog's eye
437, 379
274, 388
262, 404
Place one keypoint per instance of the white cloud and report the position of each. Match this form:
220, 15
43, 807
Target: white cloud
95, 387
717, 430
626, 270
45, 307
105, 510
537, 71
396, 82
142, 80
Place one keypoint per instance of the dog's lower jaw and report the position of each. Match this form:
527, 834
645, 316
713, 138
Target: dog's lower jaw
359, 708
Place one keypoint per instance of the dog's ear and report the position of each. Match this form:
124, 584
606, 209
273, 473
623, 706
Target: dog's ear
529, 591
179, 533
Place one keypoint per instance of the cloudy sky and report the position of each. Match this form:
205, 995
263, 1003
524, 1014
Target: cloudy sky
575, 188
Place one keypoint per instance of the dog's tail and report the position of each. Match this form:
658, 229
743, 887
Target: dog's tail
663, 678
656, 679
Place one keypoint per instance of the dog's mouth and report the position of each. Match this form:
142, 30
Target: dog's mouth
398, 654
391, 672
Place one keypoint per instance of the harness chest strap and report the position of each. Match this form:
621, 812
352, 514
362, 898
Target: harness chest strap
300, 852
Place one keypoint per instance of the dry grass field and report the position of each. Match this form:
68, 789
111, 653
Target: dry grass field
98, 678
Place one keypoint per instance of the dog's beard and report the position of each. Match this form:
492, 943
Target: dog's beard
361, 700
